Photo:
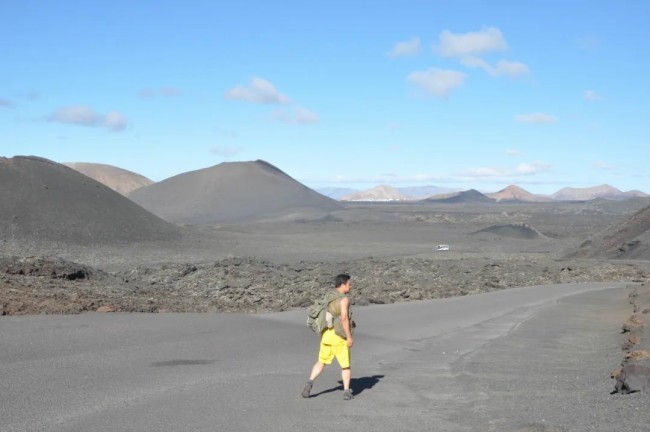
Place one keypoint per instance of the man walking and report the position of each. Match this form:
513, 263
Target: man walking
337, 340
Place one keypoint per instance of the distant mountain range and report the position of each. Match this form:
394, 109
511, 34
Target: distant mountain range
47, 201
386, 193
511, 193
127, 183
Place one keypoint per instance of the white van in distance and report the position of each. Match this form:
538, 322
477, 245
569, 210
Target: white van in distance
442, 247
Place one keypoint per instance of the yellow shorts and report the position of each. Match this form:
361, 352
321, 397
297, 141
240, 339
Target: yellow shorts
339, 350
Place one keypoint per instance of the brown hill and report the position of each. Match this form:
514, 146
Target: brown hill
233, 192
629, 239
118, 179
515, 193
378, 193
602, 191
45, 200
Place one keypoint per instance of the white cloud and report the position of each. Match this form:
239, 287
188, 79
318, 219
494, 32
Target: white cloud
514, 153
522, 173
115, 121
438, 82
532, 168
86, 116
475, 62
299, 116
591, 95
487, 172
407, 48
524, 169
461, 45
536, 118
258, 91
467, 48
503, 67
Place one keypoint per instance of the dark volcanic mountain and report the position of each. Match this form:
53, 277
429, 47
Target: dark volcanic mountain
629, 239
44, 200
233, 192
469, 196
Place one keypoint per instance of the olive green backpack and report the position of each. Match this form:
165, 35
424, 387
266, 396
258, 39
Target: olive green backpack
319, 318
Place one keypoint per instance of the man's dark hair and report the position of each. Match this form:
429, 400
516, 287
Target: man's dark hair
341, 279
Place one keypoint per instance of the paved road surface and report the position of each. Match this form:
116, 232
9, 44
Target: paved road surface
231, 372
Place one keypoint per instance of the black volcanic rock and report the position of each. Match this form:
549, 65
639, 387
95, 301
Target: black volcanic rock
37, 285
43, 200
233, 192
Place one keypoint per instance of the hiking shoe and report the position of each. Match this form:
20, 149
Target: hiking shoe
347, 394
307, 389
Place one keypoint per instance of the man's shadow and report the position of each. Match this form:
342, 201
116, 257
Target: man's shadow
358, 385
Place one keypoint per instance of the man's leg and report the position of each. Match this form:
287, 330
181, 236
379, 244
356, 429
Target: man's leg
315, 371
343, 357
346, 374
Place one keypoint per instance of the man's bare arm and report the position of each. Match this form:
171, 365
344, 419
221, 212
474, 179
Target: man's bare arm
345, 320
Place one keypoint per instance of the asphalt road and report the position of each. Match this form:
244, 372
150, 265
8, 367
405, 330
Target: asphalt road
233, 372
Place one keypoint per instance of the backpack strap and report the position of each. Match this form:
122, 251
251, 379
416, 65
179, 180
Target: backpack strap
336, 322
330, 298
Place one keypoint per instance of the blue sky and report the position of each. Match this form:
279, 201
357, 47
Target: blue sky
463, 94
